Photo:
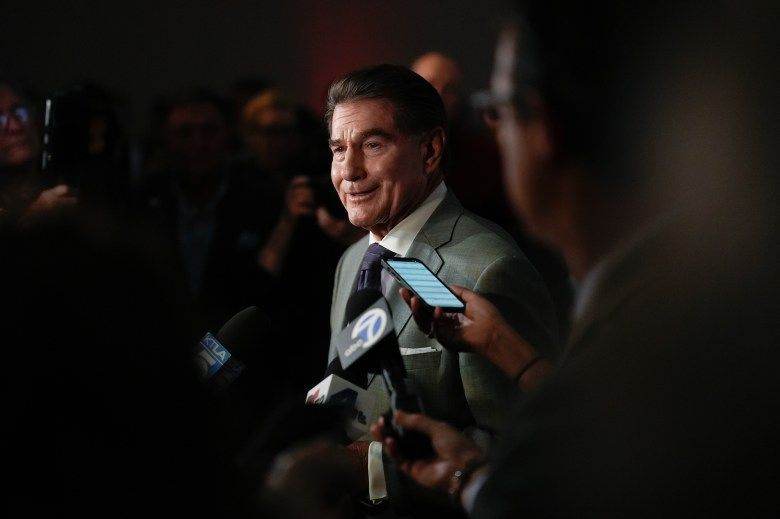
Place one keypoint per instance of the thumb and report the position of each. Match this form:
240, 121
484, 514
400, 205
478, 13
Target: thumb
463, 292
60, 189
416, 422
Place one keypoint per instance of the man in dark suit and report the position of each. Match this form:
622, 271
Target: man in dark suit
209, 218
387, 134
663, 402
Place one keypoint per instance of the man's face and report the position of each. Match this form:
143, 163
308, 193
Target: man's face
378, 172
445, 76
272, 134
18, 138
196, 139
527, 188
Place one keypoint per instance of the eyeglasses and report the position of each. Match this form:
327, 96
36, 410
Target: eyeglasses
22, 115
486, 103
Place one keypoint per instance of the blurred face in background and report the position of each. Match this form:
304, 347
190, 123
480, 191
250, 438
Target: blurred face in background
445, 75
18, 134
271, 132
196, 140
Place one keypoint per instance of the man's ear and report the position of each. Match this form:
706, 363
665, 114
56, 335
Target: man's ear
433, 150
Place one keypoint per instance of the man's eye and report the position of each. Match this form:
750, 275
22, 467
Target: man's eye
337, 149
372, 145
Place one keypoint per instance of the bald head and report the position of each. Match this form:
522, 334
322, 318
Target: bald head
444, 74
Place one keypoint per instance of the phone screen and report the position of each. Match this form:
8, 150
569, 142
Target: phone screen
424, 283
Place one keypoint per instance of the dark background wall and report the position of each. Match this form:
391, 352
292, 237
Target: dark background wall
139, 49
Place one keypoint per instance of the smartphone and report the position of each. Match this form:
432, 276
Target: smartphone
417, 277
65, 138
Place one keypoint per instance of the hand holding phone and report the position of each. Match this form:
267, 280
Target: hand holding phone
417, 277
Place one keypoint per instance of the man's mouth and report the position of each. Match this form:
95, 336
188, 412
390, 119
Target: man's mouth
356, 196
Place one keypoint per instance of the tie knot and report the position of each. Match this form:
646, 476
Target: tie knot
371, 267
374, 255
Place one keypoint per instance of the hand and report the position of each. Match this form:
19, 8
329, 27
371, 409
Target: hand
341, 231
299, 198
453, 451
49, 202
315, 479
480, 329
473, 330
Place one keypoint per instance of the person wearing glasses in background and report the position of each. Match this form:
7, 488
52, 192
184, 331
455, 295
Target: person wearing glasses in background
23, 198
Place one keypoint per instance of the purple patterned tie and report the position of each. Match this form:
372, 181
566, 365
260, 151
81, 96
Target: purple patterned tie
371, 267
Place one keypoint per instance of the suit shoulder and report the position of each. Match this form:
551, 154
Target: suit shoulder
471, 230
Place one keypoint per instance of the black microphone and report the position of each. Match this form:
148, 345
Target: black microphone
369, 342
228, 360
347, 387
358, 303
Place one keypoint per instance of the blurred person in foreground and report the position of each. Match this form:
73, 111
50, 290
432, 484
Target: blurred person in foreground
103, 415
621, 130
474, 174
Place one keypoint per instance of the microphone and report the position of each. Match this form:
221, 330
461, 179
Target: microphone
347, 387
228, 360
357, 303
369, 341
358, 403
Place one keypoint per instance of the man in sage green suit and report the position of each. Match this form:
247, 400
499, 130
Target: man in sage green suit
387, 136
462, 249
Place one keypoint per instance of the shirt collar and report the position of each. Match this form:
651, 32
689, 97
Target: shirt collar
400, 237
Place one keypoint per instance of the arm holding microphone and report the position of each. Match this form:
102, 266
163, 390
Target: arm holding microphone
481, 329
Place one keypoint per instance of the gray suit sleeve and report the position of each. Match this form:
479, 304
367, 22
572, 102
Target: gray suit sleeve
518, 292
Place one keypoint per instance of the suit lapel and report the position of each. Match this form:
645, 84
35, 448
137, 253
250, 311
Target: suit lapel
348, 279
436, 232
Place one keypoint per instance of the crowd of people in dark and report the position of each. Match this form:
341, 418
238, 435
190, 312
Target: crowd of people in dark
118, 256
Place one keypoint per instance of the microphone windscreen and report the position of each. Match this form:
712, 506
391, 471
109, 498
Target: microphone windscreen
356, 376
243, 334
252, 341
359, 302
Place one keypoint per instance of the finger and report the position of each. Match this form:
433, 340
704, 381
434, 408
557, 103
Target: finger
417, 422
377, 429
406, 295
60, 189
391, 448
422, 315
299, 181
324, 218
464, 293
420, 472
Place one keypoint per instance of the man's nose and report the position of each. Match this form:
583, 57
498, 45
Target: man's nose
353, 165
